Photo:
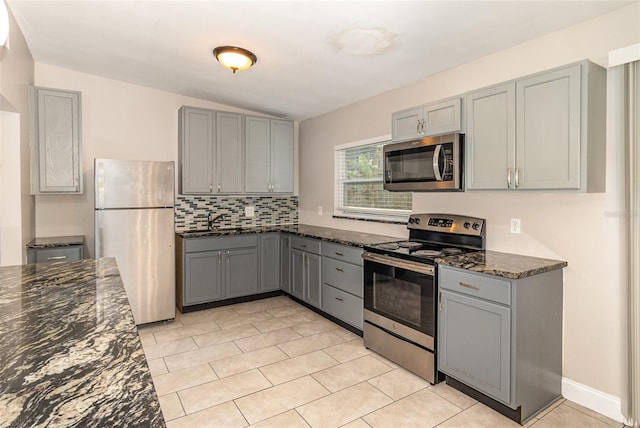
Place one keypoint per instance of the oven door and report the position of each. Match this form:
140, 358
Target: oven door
399, 297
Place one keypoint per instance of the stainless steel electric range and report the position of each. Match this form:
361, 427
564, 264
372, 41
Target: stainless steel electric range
400, 288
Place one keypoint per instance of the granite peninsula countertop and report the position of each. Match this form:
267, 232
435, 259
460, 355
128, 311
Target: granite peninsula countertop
506, 265
70, 354
56, 241
340, 236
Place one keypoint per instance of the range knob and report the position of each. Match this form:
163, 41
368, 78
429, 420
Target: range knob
476, 226
467, 225
412, 220
417, 220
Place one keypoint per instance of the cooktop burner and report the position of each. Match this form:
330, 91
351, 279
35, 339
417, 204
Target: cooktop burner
389, 246
451, 251
427, 253
410, 244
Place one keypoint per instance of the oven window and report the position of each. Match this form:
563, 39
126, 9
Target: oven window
398, 298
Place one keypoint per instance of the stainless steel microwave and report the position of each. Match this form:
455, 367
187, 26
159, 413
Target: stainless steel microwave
428, 164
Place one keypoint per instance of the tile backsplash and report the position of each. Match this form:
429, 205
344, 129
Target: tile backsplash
191, 212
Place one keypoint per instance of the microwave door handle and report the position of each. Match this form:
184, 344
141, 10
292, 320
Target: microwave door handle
436, 163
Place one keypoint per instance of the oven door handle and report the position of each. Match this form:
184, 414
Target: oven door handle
402, 264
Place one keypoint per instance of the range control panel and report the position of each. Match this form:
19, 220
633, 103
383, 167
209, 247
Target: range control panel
449, 223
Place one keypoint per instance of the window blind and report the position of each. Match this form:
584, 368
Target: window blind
359, 188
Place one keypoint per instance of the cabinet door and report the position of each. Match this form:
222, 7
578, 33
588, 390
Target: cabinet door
281, 156
241, 272
442, 118
58, 168
257, 157
490, 137
229, 153
270, 262
285, 264
465, 324
203, 280
405, 125
312, 279
297, 273
548, 130
197, 150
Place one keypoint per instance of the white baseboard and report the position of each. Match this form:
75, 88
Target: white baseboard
598, 401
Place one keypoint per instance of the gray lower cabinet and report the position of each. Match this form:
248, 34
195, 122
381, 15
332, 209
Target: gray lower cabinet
215, 268
305, 270
285, 263
342, 283
270, 268
544, 131
68, 253
55, 137
502, 337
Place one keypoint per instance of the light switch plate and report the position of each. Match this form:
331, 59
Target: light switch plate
249, 211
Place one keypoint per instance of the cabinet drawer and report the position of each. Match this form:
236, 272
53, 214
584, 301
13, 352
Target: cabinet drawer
473, 284
341, 275
305, 244
342, 305
60, 254
193, 245
342, 252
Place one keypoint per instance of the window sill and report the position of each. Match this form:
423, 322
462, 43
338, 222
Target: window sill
373, 218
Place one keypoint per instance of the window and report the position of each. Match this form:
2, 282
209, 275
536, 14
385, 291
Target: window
359, 189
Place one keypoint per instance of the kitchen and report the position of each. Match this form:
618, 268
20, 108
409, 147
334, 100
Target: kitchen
132, 121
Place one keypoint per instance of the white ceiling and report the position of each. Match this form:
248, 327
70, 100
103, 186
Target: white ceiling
311, 57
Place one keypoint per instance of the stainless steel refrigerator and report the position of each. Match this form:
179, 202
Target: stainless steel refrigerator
134, 223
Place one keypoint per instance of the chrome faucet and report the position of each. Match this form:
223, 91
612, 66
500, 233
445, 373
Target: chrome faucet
213, 219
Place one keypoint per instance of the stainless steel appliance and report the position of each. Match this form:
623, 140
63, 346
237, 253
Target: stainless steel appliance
428, 164
400, 303
134, 223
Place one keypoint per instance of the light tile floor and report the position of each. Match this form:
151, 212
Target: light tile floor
275, 363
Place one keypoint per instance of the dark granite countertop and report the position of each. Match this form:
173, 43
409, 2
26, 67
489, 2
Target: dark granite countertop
506, 265
70, 354
340, 236
56, 241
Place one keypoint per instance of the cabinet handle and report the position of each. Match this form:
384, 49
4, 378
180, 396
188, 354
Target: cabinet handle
228, 258
303, 246
56, 258
76, 184
465, 284
517, 179
340, 269
219, 188
210, 188
339, 254
440, 305
508, 178
422, 127
339, 299
418, 127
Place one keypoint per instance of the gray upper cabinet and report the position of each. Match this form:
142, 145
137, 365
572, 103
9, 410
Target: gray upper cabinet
211, 151
55, 134
229, 152
545, 131
197, 150
269, 155
431, 119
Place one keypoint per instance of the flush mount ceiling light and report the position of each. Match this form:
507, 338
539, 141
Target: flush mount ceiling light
234, 58
363, 41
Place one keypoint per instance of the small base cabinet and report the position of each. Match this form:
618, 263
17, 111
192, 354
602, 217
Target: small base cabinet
342, 283
502, 338
270, 262
305, 270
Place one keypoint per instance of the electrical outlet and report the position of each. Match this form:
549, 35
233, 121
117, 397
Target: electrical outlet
320, 210
249, 211
515, 225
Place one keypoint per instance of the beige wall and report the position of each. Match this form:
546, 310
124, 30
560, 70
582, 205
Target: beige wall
16, 74
119, 121
584, 229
